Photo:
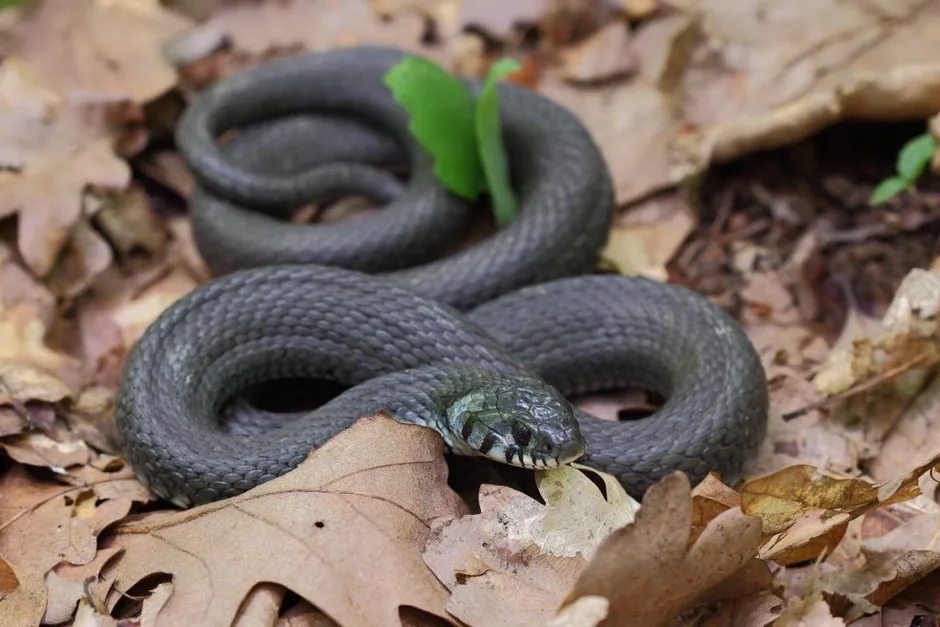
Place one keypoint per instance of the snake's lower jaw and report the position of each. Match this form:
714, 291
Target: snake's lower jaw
537, 460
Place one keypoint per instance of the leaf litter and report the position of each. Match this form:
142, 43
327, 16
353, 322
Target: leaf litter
836, 523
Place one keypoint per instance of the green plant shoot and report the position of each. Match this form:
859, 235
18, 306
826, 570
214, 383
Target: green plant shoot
441, 109
490, 140
462, 134
913, 158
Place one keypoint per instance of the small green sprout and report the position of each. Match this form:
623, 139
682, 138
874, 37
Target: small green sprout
463, 134
913, 158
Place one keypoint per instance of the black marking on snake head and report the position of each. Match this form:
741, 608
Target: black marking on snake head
467, 430
511, 451
488, 441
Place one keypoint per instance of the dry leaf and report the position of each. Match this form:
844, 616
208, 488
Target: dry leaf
649, 570
43, 524
755, 610
607, 55
107, 49
259, 27
344, 530
645, 239
766, 87
521, 555
56, 146
893, 562
804, 512
28, 369
66, 586
37, 449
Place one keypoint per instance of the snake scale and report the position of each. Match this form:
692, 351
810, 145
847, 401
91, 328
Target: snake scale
485, 343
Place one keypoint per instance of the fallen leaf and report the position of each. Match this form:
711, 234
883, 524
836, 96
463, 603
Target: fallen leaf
87, 616
771, 88
645, 239
606, 55
43, 524
804, 511
650, 572
66, 584
521, 555
257, 28
755, 610
365, 495
916, 435
893, 562
56, 146
29, 370
37, 449
106, 49
812, 611
8, 579
585, 612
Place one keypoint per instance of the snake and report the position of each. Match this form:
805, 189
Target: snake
486, 343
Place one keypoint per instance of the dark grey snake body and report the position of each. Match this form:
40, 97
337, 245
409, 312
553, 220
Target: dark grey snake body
482, 344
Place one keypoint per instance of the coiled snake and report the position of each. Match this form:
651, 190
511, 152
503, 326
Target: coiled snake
483, 344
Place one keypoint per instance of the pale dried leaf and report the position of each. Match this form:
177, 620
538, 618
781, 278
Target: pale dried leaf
755, 610
490, 560
259, 27
37, 449
800, 506
370, 491
43, 524
29, 370
106, 49
587, 611
58, 145
644, 240
606, 55
786, 72
649, 571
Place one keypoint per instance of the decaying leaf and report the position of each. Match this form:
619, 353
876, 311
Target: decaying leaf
650, 572
44, 524
521, 555
57, 146
804, 512
344, 530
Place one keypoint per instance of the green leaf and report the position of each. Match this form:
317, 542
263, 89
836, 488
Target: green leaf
441, 109
915, 155
490, 140
6, 4
888, 189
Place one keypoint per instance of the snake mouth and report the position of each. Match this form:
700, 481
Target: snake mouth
537, 460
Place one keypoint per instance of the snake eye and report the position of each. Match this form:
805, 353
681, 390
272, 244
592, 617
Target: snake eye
521, 434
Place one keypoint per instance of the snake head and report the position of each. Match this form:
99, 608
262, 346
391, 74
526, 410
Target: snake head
516, 421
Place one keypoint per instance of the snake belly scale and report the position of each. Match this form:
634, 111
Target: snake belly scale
484, 345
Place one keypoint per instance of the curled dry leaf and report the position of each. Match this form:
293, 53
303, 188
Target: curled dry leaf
344, 530
520, 555
650, 571
804, 512
44, 524
55, 146
38, 449
893, 562
644, 240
